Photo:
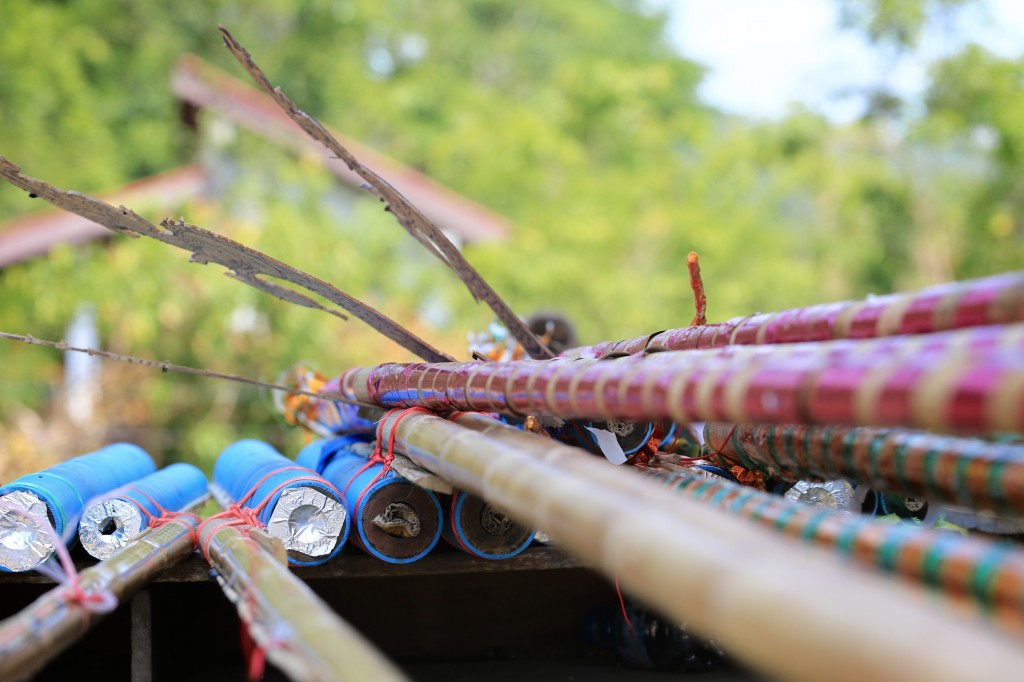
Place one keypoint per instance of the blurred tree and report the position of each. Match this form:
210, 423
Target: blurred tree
574, 119
896, 24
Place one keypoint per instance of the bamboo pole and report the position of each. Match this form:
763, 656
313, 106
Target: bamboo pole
991, 300
300, 634
962, 380
52, 623
971, 473
787, 609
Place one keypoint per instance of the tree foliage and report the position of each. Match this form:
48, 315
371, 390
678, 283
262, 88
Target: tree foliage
576, 120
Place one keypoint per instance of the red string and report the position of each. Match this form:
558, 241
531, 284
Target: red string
166, 515
238, 514
728, 437
455, 532
100, 601
378, 456
255, 654
622, 604
713, 451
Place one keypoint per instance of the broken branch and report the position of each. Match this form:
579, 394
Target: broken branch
410, 217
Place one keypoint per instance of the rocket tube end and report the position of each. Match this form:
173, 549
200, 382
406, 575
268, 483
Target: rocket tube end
108, 525
399, 522
485, 531
24, 543
309, 523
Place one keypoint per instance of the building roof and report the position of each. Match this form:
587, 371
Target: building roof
35, 234
198, 85
203, 86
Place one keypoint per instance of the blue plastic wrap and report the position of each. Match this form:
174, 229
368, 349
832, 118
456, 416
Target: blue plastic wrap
114, 519
395, 520
65, 488
245, 463
173, 488
475, 527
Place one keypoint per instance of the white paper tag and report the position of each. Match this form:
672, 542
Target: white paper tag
609, 445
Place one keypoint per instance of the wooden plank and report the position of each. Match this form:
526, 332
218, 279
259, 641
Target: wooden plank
142, 638
354, 564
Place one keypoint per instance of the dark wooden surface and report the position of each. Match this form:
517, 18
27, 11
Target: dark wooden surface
447, 617
353, 563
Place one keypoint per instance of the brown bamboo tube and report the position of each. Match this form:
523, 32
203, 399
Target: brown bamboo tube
52, 623
300, 634
792, 611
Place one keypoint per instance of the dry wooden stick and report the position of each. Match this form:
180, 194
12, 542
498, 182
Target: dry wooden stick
300, 634
410, 217
700, 300
246, 265
171, 367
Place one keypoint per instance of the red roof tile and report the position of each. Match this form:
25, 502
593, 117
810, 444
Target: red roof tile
201, 85
37, 233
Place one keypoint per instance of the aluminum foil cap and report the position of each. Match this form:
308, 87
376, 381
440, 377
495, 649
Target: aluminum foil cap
308, 522
108, 525
24, 543
833, 494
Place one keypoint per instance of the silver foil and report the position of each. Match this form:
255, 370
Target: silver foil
108, 525
307, 521
24, 543
837, 495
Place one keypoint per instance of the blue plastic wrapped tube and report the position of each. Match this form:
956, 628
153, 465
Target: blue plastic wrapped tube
477, 528
298, 506
112, 520
60, 494
395, 520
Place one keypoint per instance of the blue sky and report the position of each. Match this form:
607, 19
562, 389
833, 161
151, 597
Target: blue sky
763, 55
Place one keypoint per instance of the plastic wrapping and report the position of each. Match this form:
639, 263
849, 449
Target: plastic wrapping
113, 520
301, 508
64, 489
395, 520
478, 528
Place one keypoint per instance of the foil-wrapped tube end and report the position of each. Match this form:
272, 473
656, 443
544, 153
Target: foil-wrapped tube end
108, 525
836, 495
24, 542
308, 522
